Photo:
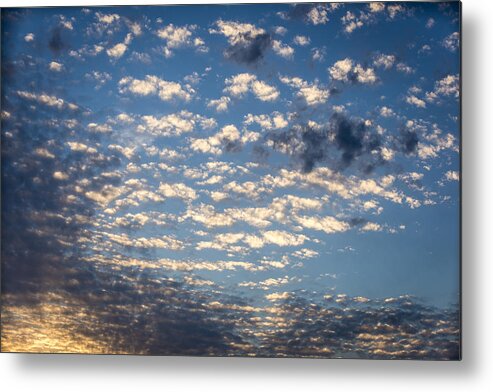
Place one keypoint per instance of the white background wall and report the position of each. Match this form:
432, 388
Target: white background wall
474, 373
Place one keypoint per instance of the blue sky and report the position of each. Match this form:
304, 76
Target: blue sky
237, 159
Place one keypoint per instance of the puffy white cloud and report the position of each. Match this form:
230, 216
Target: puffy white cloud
278, 296
56, 67
213, 144
311, 93
344, 71
448, 86
365, 76
240, 84
371, 226
59, 175
301, 40
386, 111
318, 54
237, 33
221, 104
153, 85
280, 30
29, 37
404, 68
376, 7
451, 42
178, 190
452, 175
48, 100
318, 15
414, 100
174, 124
275, 121
341, 69
180, 36
119, 49
282, 50
385, 61
283, 238
327, 224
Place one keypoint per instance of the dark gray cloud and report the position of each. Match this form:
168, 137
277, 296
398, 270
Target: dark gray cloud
408, 141
338, 144
250, 50
56, 42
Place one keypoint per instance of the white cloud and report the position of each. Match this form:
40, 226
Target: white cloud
386, 111
318, 15
344, 71
180, 36
327, 224
29, 37
173, 124
237, 33
280, 30
221, 104
451, 42
301, 40
376, 7
153, 85
213, 144
48, 100
56, 67
240, 84
178, 190
404, 68
275, 121
414, 100
119, 49
312, 94
385, 61
371, 226
452, 175
282, 50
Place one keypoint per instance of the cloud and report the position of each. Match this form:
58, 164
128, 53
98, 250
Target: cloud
385, 61
100, 77
448, 86
239, 85
282, 50
47, 100
153, 85
29, 37
248, 43
174, 124
228, 139
314, 14
452, 42
327, 224
275, 121
310, 93
414, 100
56, 42
220, 104
55, 67
451, 175
312, 144
301, 40
345, 71
180, 36
119, 49
178, 190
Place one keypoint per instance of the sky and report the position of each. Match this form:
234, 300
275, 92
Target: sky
242, 180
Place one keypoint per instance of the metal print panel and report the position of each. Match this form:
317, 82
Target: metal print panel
232, 180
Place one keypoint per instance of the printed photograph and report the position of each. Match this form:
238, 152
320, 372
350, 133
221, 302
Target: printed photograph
234, 180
